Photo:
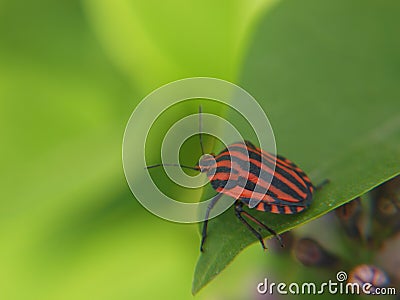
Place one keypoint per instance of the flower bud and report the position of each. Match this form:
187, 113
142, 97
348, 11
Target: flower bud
310, 253
369, 274
349, 215
386, 204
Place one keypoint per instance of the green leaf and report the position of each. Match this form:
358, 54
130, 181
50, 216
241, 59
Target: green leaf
156, 42
327, 74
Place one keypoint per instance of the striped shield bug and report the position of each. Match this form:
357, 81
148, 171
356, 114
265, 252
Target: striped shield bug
244, 171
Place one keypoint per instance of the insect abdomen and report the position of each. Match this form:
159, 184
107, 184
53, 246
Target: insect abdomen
249, 170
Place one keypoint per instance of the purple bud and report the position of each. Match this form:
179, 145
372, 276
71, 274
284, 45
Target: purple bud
349, 215
368, 276
311, 253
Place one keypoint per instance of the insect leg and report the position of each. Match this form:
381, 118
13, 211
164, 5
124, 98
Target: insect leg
259, 223
238, 212
324, 182
205, 224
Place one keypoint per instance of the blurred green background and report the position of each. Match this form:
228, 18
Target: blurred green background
71, 73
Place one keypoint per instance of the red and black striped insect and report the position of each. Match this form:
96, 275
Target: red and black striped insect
244, 171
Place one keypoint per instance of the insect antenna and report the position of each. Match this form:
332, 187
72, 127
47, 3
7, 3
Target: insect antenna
171, 165
200, 130
201, 145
